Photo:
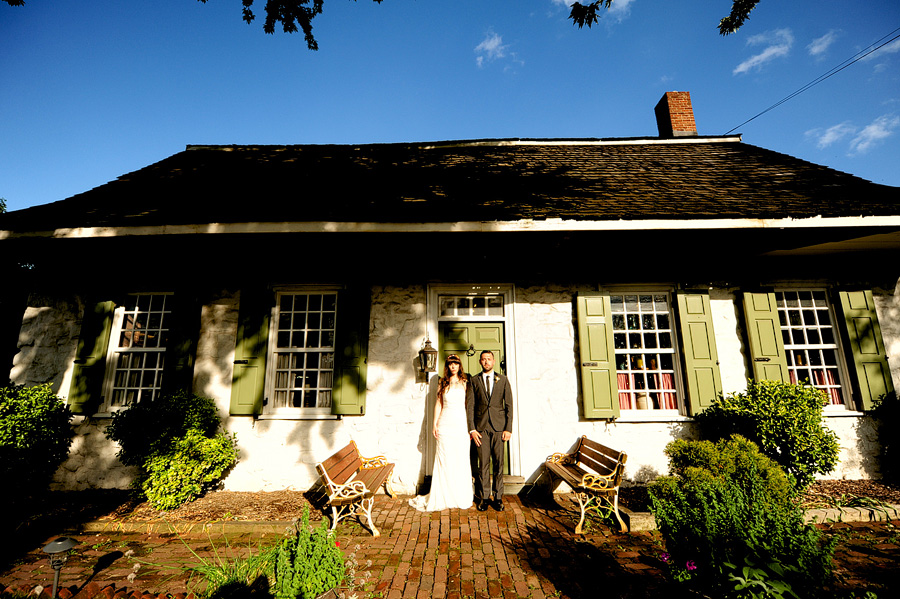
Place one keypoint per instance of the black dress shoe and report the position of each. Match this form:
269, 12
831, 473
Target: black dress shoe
481, 506
498, 505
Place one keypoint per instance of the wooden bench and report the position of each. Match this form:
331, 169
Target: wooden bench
351, 482
594, 472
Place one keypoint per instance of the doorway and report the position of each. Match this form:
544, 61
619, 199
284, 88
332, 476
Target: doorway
467, 340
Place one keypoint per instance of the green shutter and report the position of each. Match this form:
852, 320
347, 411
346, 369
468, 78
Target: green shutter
181, 346
698, 346
873, 375
351, 352
248, 384
768, 360
599, 386
85, 394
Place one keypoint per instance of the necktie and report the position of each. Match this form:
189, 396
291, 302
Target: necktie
487, 383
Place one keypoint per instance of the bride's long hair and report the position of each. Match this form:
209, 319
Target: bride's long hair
444, 383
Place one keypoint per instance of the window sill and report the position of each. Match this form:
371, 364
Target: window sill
298, 417
640, 417
842, 413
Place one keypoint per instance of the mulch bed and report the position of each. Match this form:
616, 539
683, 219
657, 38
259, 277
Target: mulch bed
822, 493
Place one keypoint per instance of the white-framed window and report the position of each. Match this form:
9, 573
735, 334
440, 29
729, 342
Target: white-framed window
301, 350
644, 346
137, 349
471, 305
811, 341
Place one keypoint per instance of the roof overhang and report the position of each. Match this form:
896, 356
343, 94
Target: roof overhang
549, 225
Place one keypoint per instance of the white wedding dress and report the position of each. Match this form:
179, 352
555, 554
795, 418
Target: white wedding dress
451, 480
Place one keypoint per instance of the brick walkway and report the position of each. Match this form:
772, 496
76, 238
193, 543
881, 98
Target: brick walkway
527, 551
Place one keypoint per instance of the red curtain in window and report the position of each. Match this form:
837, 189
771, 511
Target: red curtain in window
827, 380
666, 385
625, 381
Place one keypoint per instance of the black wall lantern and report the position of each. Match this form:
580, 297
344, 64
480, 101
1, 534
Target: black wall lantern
428, 358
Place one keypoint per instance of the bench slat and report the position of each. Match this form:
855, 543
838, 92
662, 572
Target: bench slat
599, 462
375, 477
343, 464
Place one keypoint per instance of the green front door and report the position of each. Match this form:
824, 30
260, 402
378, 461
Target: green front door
467, 340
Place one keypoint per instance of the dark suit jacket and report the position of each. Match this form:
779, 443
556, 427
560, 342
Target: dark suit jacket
496, 411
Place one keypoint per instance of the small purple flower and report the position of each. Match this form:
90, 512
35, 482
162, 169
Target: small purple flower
691, 566
665, 557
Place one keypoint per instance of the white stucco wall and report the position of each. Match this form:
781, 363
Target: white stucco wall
277, 454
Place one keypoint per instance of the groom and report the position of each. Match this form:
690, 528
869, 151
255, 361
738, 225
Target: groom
490, 415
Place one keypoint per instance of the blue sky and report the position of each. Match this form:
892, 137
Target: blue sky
93, 89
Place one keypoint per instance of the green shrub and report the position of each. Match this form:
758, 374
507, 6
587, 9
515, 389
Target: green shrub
728, 519
308, 563
35, 435
151, 428
196, 463
784, 420
175, 443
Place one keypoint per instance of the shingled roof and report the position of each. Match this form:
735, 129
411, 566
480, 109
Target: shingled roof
482, 180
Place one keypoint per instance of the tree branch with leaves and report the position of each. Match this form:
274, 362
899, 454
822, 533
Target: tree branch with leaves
587, 14
295, 15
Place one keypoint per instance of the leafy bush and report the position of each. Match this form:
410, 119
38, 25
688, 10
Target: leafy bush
35, 436
308, 563
784, 420
729, 521
175, 443
196, 462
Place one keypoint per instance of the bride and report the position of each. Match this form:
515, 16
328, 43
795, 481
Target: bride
451, 480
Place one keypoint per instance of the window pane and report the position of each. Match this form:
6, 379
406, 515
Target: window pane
495, 306
617, 304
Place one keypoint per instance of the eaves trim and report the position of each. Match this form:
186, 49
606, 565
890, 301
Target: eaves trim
548, 225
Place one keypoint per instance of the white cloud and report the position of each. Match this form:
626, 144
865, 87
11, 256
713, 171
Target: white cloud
831, 135
880, 129
862, 140
778, 43
490, 49
618, 9
891, 48
820, 45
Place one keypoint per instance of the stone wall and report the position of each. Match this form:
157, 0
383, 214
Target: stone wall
282, 453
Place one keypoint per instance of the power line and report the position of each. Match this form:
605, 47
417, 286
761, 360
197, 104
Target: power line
834, 71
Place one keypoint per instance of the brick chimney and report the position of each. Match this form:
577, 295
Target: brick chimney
674, 115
